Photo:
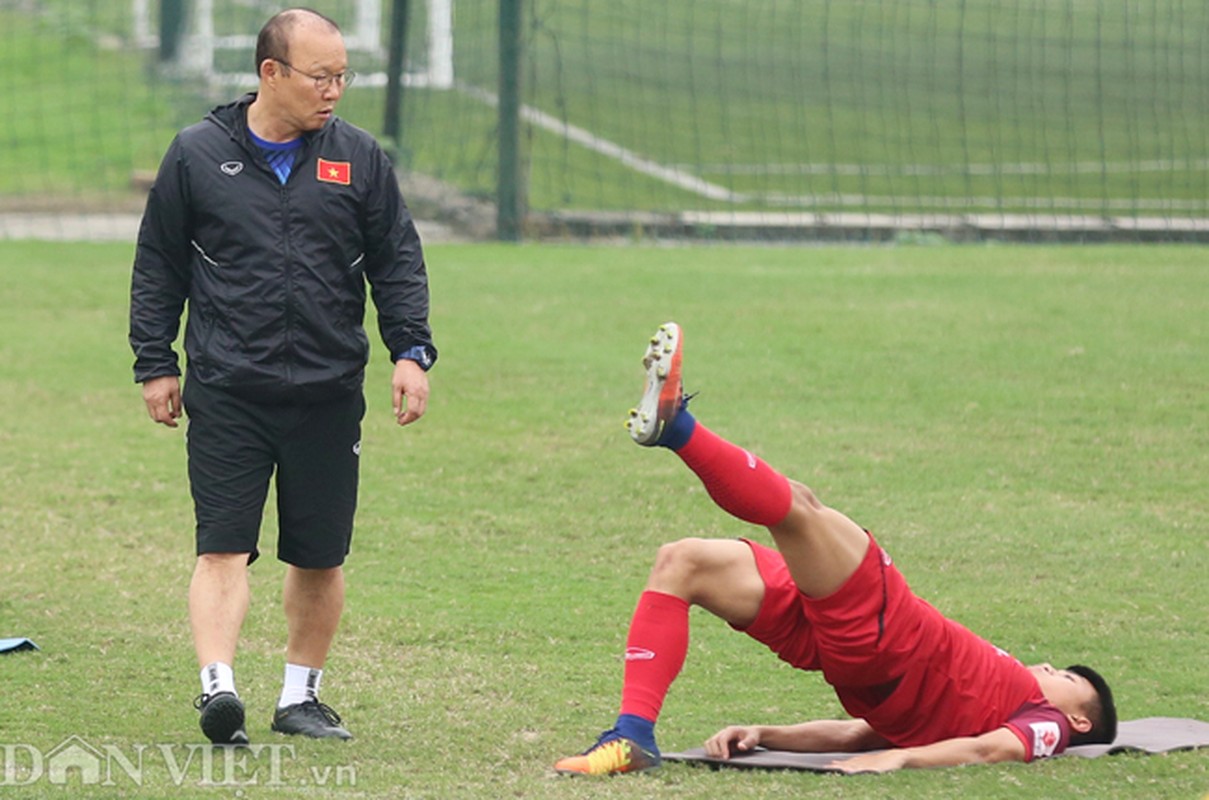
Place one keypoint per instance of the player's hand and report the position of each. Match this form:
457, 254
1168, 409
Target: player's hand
732, 739
409, 388
163, 398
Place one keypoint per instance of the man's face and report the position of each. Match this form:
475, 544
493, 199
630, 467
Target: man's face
315, 51
1064, 689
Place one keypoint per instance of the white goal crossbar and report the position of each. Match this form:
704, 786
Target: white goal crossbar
364, 35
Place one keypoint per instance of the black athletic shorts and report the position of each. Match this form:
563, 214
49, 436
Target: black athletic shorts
235, 445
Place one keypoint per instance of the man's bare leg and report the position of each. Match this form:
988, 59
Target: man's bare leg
314, 601
218, 603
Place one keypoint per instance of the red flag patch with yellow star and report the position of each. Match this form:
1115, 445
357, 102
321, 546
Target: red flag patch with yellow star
335, 172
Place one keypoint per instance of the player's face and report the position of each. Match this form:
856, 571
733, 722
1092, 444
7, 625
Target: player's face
1064, 689
304, 104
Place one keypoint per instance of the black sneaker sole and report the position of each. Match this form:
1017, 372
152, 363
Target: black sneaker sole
313, 732
222, 720
293, 721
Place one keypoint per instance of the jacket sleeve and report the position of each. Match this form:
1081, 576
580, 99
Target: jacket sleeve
394, 265
160, 279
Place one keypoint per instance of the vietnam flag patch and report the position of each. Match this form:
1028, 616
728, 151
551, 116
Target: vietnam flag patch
335, 172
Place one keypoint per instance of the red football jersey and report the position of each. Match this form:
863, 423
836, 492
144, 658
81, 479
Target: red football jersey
898, 663
958, 684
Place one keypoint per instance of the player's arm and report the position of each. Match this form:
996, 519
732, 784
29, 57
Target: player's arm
816, 736
1000, 744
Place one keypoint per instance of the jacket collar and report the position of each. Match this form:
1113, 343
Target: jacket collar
233, 118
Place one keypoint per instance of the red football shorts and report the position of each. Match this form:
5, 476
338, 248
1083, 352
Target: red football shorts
861, 636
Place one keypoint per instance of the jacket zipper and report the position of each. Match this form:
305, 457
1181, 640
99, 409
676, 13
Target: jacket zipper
287, 356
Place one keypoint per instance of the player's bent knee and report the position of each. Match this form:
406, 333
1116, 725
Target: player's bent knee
805, 503
804, 496
675, 562
686, 566
806, 513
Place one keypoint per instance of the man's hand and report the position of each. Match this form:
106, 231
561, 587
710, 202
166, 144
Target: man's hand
409, 387
732, 738
163, 398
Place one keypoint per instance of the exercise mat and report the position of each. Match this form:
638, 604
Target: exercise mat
1148, 735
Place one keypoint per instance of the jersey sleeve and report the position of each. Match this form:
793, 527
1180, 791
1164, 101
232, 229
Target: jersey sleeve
1042, 729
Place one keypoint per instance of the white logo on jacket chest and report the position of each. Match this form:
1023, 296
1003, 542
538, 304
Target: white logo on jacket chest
231, 167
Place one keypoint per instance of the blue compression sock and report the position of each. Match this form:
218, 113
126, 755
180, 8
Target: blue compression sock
678, 433
638, 730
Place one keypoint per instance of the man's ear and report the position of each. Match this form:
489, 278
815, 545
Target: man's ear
1079, 723
270, 70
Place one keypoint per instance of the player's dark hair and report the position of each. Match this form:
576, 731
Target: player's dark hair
273, 41
1102, 711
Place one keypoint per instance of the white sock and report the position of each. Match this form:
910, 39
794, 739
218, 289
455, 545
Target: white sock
218, 677
301, 684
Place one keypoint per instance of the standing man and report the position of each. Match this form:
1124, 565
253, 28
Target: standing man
269, 217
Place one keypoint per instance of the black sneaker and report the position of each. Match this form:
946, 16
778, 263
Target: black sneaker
311, 718
222, 718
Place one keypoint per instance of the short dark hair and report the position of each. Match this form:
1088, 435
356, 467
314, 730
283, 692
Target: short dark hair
273, 41
1102, 711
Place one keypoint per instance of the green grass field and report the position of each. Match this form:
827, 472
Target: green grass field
1025, 429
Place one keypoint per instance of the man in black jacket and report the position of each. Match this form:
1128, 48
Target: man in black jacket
269, 217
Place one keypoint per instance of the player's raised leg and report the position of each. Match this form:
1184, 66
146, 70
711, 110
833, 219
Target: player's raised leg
821, 546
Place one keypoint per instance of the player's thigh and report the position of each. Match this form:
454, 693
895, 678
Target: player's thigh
719, 575
821, 546
782, 623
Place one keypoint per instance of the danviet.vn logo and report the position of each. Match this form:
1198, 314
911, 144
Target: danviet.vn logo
77, 762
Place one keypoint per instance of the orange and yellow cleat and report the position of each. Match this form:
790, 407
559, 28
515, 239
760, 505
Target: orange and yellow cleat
611, 757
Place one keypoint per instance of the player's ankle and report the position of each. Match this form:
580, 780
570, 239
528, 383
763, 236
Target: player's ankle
639, 730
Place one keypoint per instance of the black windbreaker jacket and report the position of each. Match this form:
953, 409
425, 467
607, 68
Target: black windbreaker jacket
275, 275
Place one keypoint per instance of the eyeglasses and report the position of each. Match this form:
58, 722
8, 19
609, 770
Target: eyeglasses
323, 82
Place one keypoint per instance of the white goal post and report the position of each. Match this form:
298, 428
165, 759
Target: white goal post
364, 35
